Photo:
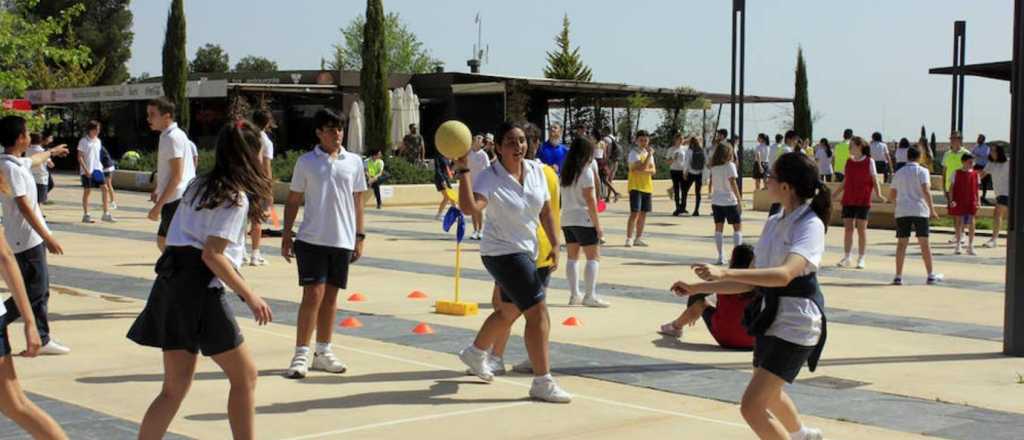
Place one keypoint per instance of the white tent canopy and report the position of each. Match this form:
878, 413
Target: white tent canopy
405, 110
354, 143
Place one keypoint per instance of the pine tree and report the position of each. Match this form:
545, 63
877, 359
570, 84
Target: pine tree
373, 80
802, 123
175, 65
924, 134
566, 62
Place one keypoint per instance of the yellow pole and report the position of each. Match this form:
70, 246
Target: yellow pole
458, 268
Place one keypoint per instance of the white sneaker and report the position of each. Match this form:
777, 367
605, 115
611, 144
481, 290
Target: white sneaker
991, 244
845, 262
299, 367
594, 301
246, 260
813, 434
54, 348
524, 367
109, 218
113, 206
87, 219
629, 242
860, 263
257, 260
934, 278
669, 329
575, 300
326, 361
476, 360
959, 250
548, 391
720, 261
970, 250
639, 243
496, 364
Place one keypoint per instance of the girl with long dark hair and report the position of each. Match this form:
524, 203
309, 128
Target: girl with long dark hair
788, 322
861, 178
580, 223
187, 311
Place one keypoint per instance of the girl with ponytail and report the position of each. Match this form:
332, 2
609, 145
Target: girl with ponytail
788, 321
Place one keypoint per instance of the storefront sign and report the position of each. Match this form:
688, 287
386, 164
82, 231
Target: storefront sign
124, 92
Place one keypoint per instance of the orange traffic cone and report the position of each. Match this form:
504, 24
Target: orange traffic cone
350, 322
572, 322
274, 218
416, 294
356, 297
423, 329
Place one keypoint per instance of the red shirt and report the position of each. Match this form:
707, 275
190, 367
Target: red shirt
727, 322
965, 193
858, 183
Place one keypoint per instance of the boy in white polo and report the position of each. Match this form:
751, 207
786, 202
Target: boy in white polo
175, 167
91, 170
911, 189
24, 227
331, 180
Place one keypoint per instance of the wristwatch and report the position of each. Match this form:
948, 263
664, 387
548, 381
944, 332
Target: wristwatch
360, 236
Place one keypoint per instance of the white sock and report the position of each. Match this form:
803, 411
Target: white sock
718, 243
590, 277
798, 435
572, 274
323, 347
255, 252
544, 378
302, 349
737, 238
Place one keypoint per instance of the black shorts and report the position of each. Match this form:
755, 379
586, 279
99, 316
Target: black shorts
899, 166
5, 342
918, 224
544, 273
723, 214
107, 174
639, 201
322, 264
1003, 200
779, 357
42, 193
442, 185
581, 235
166, 215
856, 212
518, 278
87, 182
183, 312
759, 171
882, 167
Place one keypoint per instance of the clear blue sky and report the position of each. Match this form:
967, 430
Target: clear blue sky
867, 60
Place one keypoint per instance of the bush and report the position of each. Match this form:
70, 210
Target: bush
284, 165
146, 161
402, 172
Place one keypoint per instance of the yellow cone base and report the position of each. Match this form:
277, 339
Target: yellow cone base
456, 308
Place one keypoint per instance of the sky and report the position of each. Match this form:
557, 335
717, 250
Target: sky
867, 60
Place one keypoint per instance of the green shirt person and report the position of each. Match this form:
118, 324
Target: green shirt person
841, 154
374, 167
951, 161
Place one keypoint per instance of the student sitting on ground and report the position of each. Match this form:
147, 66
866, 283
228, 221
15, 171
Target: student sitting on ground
722, 314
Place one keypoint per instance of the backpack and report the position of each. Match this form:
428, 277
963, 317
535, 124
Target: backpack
613, 152
105, 160
697, 160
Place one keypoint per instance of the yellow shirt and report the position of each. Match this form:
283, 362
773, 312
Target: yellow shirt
543, 244
642, 182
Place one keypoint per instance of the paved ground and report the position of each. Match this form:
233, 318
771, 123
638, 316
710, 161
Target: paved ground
901, 362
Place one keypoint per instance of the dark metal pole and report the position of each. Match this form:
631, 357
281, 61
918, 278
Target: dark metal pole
1013, 327
956, 66
743, 64
732, 95
704, 124
962, 30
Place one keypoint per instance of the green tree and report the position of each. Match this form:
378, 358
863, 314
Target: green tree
211, 58
405, 52
175, 62
25, 43
256, 64
566, 62
373, 80
105, 27
802, 123
674, 113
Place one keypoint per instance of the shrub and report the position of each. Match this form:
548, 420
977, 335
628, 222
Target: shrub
402, 172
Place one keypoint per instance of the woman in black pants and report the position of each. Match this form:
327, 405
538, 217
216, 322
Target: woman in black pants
677, 158
694, 174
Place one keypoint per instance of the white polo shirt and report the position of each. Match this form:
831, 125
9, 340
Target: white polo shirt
174, 144
721, 188
802, 233
18, 232
478, 161
513, 210
574, 206
192, 228
266, 146
41, 173
328, 183
89, 149
879, 152
910, 197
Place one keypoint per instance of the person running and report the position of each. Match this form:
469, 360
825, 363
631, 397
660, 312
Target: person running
515, 194
442, 172
790, 327
581, 225
760, 161
478, 162
331, 181
981, 152
175, 167
695, 163
723, 315
911, 190
641, 186
25, 230
91, 171
998, 169
855, 195
553, 151
187, 312
900, 155
375, 176
823, 156
264, 121
842, 154
676, 160
880, 154
109, 166
963, 204
725, 198
41, 172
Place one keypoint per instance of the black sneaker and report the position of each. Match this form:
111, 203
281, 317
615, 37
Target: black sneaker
897, 281
696, 214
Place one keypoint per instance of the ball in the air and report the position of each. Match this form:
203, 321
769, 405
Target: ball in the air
453, 139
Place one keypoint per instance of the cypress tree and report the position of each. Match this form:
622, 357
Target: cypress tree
373, 80
175, 68
802, 123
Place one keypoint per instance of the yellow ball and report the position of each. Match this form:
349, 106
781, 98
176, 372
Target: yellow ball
453, 139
